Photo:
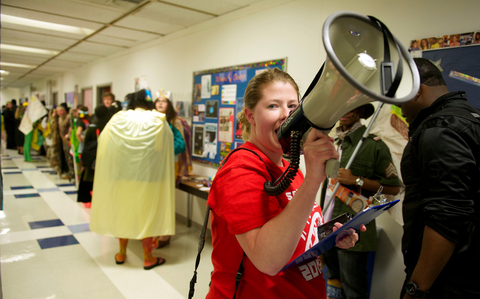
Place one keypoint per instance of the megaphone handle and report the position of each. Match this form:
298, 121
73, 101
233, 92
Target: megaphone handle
331, 168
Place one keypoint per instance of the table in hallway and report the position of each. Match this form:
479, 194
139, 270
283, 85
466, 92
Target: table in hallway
190, 184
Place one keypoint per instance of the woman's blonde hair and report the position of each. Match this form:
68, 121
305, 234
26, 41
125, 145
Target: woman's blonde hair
254, 92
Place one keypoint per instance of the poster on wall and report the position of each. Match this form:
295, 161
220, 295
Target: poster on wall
199, 113
69, 99
225, 124
212, 109
210, 147
217, 98
445, 41
206, 86
141, 82
229, 94
198, 137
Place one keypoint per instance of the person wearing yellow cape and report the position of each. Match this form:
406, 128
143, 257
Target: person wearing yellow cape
134, 171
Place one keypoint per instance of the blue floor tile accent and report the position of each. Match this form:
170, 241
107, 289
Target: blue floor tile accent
43, 166
70, 192
26, 195
21, 187
48, 189
57, 242
6, 159
45, 223
29, 169
13, 172
79, 228
13, 167
66, 185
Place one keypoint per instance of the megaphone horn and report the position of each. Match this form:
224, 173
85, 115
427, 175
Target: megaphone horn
364, 63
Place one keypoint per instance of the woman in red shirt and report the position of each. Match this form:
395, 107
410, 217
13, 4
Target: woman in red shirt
270, 230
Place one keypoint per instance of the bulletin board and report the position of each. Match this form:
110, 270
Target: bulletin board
217, 99
460, 69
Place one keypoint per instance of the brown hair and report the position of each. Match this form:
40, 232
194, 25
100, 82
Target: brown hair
171, 114
109, 94
254, 93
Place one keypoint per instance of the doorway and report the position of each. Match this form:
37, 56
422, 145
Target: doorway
101, 90
87, 99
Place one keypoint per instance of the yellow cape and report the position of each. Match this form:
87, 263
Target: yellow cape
134, 184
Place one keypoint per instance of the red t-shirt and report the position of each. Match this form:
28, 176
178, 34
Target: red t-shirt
239, 204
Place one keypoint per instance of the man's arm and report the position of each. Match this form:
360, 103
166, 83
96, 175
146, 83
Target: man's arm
346, 177
436, 252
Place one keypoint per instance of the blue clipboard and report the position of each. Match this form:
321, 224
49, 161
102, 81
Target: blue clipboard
364, 217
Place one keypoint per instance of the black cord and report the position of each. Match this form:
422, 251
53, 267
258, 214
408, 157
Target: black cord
283, 182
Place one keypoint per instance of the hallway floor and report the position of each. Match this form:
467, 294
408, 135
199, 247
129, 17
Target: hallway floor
48, 251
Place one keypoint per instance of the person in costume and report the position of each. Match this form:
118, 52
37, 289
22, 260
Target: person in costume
89, 152
9, 122
19, 136
265, 232
183, 145
64, 123
371, 168
55, 149
134, 185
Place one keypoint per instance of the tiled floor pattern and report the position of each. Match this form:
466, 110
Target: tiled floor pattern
48, 251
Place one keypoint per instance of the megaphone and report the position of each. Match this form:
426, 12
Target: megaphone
364, 63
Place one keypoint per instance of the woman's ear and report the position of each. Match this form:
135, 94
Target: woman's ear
249, 116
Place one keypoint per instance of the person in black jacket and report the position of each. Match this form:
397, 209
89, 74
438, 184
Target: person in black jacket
441, 171
9, 121
98, 122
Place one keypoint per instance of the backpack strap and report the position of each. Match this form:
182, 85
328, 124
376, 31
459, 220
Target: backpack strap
201, 243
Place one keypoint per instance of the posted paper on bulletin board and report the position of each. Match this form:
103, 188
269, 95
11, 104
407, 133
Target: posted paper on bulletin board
217, 99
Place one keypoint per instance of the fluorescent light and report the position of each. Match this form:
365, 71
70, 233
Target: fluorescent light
26, 66
4, 73
28, 49
45, 25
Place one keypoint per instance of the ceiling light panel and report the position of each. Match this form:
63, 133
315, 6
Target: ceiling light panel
6, 47
77, 9
46, 25
24, 58
49, 17
52, 41
31, 43
41, 31
16, 65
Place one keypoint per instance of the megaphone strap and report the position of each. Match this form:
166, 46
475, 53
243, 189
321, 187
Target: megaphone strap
392, 89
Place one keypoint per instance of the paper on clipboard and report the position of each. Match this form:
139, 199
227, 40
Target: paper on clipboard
364, 217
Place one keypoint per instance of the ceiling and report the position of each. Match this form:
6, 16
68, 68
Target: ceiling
100, 28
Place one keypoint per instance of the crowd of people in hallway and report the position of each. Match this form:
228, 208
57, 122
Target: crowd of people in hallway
76, 144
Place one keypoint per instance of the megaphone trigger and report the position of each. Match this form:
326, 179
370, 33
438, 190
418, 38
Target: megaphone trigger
331, 168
